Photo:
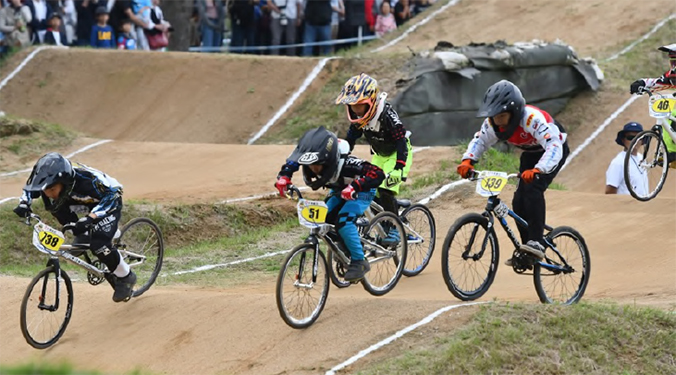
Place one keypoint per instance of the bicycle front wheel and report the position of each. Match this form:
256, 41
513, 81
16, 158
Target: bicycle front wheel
385, 248
46, 308
421, 233
301, 295
646, 165
142, 246
470, 256
564, 274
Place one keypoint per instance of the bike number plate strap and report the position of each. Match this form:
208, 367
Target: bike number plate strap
47, 238
661, 107
491, 183
312, 213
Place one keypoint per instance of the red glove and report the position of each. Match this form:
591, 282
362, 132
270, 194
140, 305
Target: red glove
529, 175
348, 193
465, 168
282, 184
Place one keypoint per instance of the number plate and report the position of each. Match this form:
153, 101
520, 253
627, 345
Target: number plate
661, 106
48, 237
491, 183
312, 213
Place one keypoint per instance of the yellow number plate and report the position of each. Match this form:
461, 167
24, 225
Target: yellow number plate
50, 240
663, 105
493, 183
312, 213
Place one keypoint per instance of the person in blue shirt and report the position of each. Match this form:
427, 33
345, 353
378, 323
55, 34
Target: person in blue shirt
125, 39
102, 33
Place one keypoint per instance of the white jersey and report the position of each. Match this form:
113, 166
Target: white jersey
537, 132
615, 175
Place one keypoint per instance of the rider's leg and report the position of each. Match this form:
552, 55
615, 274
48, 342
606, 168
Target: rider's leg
671, 147
348, 231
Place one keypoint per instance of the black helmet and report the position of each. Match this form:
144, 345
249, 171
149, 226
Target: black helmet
317, 146
51, 169
501, 97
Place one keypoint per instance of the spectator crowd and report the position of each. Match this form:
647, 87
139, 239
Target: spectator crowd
140, 24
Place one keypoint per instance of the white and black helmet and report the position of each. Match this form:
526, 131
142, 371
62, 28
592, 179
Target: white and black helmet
318, 146
503, 96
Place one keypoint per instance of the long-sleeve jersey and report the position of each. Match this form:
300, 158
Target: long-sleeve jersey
359, 173
385, 133
666, 82
537, 131
93, 189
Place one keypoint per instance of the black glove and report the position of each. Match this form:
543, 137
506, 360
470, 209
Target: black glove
23, 210
637, 87
399, 166
83, 225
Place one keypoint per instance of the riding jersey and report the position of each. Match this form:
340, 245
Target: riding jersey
359, 173
536, 132
385, 133
93, 189
666, 82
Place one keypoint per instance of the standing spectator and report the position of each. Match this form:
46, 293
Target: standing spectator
263, 26
385, 22
69, 25
402, 12
317, 25
120, 11
355, 19
284, 20
615, 183
141, 8
337, 16
53, 33
157, 26
211, 21
41, 11
102, 33
125, 38
420, 6
85, 20
242, 19
370, 17
14, 21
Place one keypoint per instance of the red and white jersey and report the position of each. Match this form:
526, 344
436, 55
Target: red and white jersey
536, 132
666, 82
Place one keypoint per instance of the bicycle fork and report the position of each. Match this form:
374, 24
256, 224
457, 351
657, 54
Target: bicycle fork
54, 262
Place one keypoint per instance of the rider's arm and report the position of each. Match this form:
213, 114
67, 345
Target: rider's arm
482, 141
550, 139
96, 184
288, 169
366, 175
27, 197
353, 133
667, 79
398, 132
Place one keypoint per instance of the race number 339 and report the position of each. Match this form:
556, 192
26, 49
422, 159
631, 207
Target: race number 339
50, 240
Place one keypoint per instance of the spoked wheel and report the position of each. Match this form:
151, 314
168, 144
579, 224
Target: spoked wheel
46, 308
338, 270
385, 249
470, 257
421, 233
563, 276
646, 172
141, 245
300, 296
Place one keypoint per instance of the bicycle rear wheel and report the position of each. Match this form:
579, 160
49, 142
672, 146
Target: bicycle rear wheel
45, 313
143, 248
385, 249
563, 277
421, 233
651, 163
470, 256
300, 297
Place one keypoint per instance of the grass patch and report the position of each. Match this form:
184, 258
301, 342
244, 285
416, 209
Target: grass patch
56, 368
26, 139
548, 339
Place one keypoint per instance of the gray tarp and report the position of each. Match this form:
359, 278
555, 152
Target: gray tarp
441, 97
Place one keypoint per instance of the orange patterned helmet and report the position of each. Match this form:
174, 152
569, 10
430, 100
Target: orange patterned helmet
361, 89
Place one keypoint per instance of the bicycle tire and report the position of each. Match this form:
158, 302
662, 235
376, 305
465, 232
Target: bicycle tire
586, 267
479, 221
398, 258
645, 138
158, 251
413, 267
308, 320
336, 279
32, 341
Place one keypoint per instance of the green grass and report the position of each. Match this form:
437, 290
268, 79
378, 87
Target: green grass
53, 368
547, 339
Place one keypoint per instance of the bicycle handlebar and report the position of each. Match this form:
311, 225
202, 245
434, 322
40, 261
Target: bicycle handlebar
475, 175
291, 190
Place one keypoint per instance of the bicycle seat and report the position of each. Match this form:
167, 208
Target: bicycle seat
405, 203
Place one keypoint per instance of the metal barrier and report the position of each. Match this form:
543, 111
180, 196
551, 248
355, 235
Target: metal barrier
359, 40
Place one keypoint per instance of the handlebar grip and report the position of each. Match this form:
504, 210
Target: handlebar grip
291, 190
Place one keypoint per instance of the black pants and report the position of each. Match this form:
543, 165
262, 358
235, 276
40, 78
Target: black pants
101, 241
529, 199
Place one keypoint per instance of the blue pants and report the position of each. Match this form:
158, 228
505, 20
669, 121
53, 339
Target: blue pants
316, 34
348, 211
